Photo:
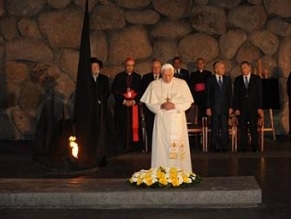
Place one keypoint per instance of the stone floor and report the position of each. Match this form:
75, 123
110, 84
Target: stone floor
214, 192
272, 170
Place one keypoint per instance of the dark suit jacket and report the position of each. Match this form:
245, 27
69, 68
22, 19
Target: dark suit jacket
251, 99
219, 100
146, 80
184, 74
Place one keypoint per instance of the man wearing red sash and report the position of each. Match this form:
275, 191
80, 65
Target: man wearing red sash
197, 86
126, 88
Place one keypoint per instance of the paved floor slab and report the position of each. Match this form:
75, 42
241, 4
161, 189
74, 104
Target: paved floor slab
118, 193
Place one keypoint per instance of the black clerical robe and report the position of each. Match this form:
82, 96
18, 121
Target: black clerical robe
123, 115
197, 84
92, 128
99, 129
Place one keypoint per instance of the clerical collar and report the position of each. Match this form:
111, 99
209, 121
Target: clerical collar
129, 73
95, 76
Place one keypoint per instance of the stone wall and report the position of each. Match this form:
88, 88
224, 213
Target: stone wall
39, 39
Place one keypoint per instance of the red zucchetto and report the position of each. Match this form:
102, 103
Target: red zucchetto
129, 59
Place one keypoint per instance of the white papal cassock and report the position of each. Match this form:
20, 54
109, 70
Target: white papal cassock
170, 143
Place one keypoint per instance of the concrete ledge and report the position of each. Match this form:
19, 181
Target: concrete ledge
117, 193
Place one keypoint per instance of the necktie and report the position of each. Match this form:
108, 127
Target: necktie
156, 77
220, 81
176, 73
246, 82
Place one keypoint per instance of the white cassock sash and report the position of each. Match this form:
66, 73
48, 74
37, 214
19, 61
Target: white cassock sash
176, 149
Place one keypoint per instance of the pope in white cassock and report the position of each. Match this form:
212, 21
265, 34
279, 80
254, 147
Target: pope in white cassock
168, 98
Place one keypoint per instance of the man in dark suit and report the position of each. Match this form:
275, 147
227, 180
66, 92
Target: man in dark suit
219, 106
248, 105
179, 72
197, 86
146, 80
155, 74
127, 89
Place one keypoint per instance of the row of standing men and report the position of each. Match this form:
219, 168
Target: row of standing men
213, 94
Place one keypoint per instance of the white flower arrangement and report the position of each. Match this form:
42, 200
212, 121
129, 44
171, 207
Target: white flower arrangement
164, 177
